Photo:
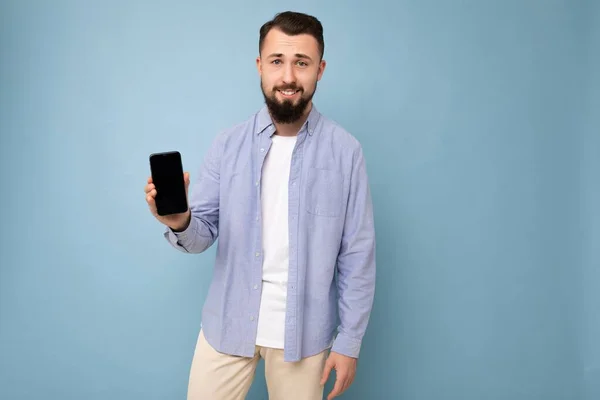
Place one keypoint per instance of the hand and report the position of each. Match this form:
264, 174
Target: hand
345, 370
177, 222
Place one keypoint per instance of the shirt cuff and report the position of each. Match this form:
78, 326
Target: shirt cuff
181, 238
345, 345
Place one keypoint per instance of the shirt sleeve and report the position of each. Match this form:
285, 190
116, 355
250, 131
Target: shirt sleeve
356, 263
203, 228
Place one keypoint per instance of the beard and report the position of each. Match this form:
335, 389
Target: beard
286, 112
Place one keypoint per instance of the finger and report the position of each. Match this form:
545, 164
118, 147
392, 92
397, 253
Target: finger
350, 380
347, 382
150, 179
326, 372
186, 179
149, 187
151, 203
338, 387
150, 199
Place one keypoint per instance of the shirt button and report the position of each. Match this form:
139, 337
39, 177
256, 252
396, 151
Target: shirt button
252, 318
262, 150
256, 183
257, 254
255, 287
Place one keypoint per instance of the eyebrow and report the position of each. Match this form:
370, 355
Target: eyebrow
298, 55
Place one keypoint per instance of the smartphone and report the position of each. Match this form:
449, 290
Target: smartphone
167, 175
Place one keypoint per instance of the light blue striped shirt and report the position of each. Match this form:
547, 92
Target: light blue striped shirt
331, 275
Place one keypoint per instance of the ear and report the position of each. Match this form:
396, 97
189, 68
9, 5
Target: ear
258, 65
322, 66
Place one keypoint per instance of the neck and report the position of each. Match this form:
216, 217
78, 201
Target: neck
293, 128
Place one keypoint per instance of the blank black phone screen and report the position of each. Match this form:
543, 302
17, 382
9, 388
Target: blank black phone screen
167, 176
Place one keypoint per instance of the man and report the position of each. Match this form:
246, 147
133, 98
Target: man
287, 194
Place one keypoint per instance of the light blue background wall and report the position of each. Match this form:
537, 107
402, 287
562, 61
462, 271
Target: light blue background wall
590, 210
479, 121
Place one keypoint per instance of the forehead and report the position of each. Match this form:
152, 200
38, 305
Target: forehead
278, 42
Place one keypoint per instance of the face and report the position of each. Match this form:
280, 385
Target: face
289, 68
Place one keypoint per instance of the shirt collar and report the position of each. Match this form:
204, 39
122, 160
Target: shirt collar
264, 121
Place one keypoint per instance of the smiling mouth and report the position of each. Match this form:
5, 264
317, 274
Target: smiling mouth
288, 92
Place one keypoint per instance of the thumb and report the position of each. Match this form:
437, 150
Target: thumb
326, 371
186, 179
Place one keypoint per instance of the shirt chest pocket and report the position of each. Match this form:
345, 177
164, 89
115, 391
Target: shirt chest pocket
324, 192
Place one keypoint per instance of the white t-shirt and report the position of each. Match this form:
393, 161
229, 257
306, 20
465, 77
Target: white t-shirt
274, 198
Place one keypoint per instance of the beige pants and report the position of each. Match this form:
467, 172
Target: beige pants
217, 376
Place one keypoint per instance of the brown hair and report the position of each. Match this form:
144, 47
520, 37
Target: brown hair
294, 23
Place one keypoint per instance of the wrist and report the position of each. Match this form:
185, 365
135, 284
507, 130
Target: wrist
183, 225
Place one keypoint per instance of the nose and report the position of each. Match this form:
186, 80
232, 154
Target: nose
288, 74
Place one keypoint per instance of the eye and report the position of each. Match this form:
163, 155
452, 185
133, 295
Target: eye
302, 63
276, 62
